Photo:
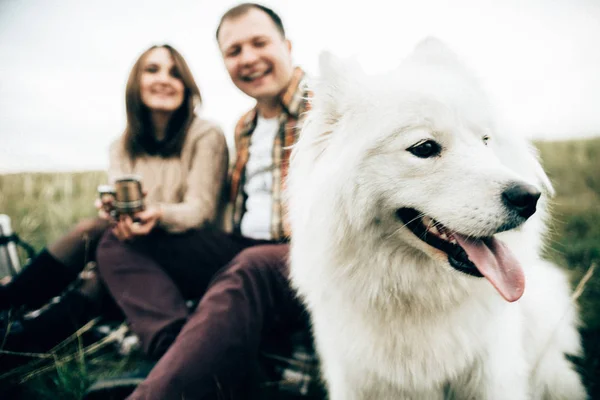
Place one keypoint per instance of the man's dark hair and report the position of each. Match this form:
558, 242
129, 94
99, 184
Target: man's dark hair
243, 9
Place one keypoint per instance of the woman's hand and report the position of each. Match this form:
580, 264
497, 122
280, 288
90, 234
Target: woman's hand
103, 210
145, 221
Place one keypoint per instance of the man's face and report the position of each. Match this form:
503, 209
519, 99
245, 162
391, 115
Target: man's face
257, 57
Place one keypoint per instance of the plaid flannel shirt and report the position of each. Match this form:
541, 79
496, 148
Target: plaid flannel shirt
294, 102
295, 370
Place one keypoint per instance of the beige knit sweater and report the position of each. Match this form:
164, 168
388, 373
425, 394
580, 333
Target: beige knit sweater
189, 189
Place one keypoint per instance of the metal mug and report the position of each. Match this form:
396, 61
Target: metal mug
108, 196
129, 197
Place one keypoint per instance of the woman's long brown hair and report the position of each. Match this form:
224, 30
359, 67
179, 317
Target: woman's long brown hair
139, 137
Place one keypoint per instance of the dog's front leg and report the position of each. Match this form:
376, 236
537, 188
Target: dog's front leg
347, 381
339, 385
506, 382
505, 371
490, 384
499, 375
362, 385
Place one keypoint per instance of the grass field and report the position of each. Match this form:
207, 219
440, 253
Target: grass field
44, 205
574, 241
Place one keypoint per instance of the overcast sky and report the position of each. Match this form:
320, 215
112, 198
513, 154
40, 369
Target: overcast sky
65, 62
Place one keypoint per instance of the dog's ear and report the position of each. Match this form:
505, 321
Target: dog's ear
329, 65
333, 94
337, 71
432, 50
334, 90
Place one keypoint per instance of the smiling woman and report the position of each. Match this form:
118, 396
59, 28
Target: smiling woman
182, 160
161, 95
161, 87
166, 144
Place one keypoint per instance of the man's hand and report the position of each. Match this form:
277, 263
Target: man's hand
142, 223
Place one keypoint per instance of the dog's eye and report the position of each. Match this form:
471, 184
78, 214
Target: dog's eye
425, 149
485, 139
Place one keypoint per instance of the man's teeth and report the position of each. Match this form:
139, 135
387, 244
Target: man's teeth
256, 75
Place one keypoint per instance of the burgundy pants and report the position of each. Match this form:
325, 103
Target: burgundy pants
151, 277
218, 347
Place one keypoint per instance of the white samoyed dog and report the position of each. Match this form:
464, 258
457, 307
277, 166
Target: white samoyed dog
417, 225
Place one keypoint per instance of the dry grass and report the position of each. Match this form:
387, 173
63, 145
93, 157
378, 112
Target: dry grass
43, 206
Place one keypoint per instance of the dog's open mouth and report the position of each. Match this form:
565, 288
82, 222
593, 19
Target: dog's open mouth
480, 257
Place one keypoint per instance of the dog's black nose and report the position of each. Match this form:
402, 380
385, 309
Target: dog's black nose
521, 198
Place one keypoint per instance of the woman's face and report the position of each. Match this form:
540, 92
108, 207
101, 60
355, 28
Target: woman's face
161, 88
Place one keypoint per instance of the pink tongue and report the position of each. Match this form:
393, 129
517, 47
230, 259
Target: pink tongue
497, 263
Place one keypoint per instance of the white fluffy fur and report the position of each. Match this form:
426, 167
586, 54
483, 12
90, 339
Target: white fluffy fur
391, 318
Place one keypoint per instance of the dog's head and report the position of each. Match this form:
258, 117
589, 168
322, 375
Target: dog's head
414, 159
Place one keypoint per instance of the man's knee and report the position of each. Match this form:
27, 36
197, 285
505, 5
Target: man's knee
266, 262
262, 257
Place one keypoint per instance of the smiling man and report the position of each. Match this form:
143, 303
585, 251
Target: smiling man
249, 302
258, 57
